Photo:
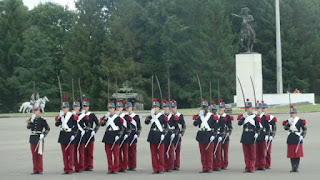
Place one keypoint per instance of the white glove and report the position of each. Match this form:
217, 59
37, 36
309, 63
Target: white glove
270, 138
300, 138
33, 117
135, 136
41, 136
172, 136
152, 112
212, 138
201, 113
72, 138
61, 114
116, 138
107, 115
219, 139
125, 136
83, 132
93, 133
256, 135
266, 138
290, 120
162, 137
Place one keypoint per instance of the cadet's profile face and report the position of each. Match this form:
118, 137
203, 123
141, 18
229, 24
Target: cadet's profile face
65, 109
265, 110
173, 109
76, 108
222, 109
111, 110
129, 109
37, 112
120, 109
249, 109
205, 108
156, 108
86, 108
293, 115
166, 109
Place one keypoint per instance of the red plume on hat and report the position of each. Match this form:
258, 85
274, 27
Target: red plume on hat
85, 99
262, 101
221, 100
154, 100
164, 101
258, 101
118, 100
74, 100
291, 106
248, 99
125, 102
173, 100
202, 100
212, 103
109, 102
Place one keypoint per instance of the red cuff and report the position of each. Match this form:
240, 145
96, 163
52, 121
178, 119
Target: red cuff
56, 118
231, 118
216, 118
86, 117
166, 118
130, 118
176, 118
75, 117
283, 123
274, 119
101, 119
239, 116
258, 118
194, 117
304, 122
121, 120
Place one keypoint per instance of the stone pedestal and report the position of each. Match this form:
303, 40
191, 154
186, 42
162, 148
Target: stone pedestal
249, 65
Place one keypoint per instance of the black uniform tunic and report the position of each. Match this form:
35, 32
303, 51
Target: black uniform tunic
87, 123
64, 136
126, 129
226, 126
180, 128
36, 126
171, 123
293, 138
154, 136
204, 135
265, 130
135, 130
110, 134
248, 129
81, 124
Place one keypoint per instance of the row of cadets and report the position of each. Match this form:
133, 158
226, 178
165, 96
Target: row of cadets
158, 129
297, 131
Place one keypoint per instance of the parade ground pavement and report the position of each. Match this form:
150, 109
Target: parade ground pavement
16, 161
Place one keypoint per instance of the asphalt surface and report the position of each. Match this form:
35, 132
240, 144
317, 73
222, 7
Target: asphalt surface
16, 160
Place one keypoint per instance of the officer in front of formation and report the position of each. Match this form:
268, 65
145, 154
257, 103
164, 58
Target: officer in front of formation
39, 130
158, 129
250, 124
68, 130
297, 132
205, 136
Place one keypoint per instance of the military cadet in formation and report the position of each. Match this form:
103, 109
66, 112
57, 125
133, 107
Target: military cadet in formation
135, 127
78, 149
272, 120
68, 130
219, 129
250, 124
179, 129
205, 136
158, 129
39, 130
123, 154
297, 132
261, 142
168, 139
226, 132
213, 108
91, 127
113, 124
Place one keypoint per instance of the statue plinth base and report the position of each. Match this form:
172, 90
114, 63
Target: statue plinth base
249, 65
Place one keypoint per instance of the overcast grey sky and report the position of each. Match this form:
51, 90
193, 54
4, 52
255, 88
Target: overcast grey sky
32, 3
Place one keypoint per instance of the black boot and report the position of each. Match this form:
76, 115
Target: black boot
292, 164
297, 164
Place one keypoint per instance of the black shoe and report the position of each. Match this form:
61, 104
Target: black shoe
155, 172
167, 170
176, 169
114, 172
122, 171
224, 168
129, 169
109, 172
261, 169
247, 171
207, 171
78, 171
216, 170
40, 173
89, 169
35, 173
267, 167
86, 170
67, 173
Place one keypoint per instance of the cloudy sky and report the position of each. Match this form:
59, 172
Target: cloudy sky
33, 3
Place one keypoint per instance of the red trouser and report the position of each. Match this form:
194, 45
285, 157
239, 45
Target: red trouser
36, 159
113, 166
260, 154
132, 156
123, 156
168, 158
78, 163
88, 156
206, 156
157, 157
268, 159
67, 157
177, 155
217, 156
249, 156
224, 155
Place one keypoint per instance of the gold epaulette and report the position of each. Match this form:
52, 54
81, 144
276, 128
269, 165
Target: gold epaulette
43, 118
28, 120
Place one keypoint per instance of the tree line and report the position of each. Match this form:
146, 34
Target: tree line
128, 41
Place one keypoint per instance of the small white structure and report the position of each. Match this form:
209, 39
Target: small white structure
248, 65
283, 99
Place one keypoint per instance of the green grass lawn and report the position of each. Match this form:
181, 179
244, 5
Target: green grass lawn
192, 111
